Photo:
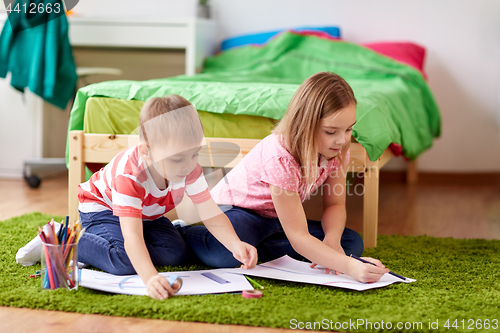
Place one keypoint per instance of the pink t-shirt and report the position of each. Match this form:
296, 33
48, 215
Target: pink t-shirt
268, 163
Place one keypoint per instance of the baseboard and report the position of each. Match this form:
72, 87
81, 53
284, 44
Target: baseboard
444, 178
11, 174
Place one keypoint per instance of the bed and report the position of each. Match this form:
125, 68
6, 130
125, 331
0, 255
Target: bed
244, 91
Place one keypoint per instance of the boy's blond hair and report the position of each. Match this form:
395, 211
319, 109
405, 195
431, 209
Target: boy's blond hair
319, 96
170, 119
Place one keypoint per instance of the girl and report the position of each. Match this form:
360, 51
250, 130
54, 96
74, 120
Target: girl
308, 148
122, 205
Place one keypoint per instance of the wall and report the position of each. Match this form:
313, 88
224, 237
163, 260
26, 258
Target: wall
462, 38
34, 129
463, 59
20, 129
130, 8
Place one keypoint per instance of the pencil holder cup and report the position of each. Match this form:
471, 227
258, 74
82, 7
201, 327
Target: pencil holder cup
60, 266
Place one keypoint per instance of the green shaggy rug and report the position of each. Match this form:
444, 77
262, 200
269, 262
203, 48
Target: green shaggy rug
458, 285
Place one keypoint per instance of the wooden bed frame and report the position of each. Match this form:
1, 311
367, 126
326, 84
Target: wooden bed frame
101, 148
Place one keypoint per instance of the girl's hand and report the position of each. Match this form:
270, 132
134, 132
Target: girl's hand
327, 270
158, 287
246, 254
366, 273
336, 247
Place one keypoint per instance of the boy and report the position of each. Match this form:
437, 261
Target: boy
122, 205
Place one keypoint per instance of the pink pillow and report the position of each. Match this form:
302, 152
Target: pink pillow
407, 53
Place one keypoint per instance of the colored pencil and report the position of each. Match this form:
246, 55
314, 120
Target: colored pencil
48, 270
254, 282
367, 262
58, 253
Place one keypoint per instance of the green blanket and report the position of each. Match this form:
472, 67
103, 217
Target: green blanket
395, 104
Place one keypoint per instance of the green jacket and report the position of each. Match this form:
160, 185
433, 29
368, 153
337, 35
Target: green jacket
39, 58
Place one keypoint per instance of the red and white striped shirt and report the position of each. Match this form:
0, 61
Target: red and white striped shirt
126, 187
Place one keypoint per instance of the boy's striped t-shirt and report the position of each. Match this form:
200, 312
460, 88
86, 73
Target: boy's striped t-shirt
126, 187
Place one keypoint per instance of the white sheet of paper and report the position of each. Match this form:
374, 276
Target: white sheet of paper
193, 282
289, 269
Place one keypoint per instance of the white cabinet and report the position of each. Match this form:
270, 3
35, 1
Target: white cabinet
195, 35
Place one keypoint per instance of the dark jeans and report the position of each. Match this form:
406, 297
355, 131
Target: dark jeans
102, 243
265, 234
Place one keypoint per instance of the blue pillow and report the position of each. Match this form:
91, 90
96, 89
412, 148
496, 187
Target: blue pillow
265, 36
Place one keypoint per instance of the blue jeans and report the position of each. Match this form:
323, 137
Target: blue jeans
265, 234
102, 243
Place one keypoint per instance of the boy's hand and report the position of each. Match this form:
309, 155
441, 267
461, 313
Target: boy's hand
158, 287
246, 254
366, 273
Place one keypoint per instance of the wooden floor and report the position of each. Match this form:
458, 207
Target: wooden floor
446, 210
14, 320
17, 198
460, 211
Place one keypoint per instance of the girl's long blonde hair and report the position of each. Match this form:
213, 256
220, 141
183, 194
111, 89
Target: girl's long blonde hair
319, 96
